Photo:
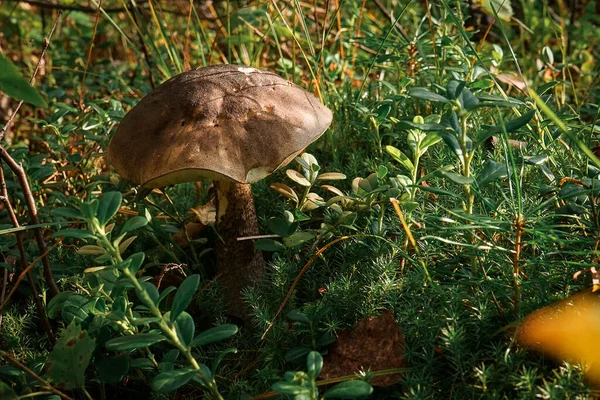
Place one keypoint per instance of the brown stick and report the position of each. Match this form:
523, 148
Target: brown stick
4, 283
519, 224
388, 14
33, 216
45, 383
22, 177
65, 7
30, 280
89, 55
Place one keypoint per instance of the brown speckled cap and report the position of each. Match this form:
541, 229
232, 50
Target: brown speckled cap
223, 122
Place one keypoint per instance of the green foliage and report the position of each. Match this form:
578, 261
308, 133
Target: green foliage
15, 86
70, 357
302, 385
486, 140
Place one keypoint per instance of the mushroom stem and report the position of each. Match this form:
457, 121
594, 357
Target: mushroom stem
239, 264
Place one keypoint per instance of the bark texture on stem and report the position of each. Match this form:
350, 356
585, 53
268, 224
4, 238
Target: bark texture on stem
33, 215
239, 264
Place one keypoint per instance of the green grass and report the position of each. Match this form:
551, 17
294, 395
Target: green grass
455, 295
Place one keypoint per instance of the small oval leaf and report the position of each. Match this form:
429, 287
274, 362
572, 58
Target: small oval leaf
348, 390
331, 176
132, 342
184, 295
108, 206
297, 177
172, 380
215, 334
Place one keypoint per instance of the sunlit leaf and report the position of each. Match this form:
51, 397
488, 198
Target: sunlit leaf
14, 85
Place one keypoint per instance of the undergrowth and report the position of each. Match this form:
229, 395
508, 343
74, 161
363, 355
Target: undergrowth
485, 138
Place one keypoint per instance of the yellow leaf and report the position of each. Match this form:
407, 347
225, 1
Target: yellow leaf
567, 330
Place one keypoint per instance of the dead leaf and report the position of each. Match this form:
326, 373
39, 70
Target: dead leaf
206, 214
375, 343
193, 230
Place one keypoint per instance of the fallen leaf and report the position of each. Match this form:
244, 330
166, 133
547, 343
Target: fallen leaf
206, 214
193, 230
375, 344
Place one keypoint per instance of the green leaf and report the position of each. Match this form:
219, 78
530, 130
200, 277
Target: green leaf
215, 334
511, 125
6, 392
492, 172
269, 245
298, 238
314, 364
89, 209
289, 388
112, 369
454, 89
278, 226
450, 120
152, 291
75, 308
519, 122
56, 304
431, 139
422, 93
457, 178
14, 85
134, 223
400, 157
205, 372
172, 380
165, 293
298, 316
535, 160
296, 353
184, 295
468, 100
545, 87
133, 262
66, 212
220, 357
142, 363
452, 141
70, 357
74, 233
108, 207
132, 342
349, 389
184, 324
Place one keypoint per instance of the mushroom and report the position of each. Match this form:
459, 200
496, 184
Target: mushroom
232, 124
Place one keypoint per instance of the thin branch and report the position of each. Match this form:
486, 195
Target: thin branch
25, 271
86, 9
22, 177
89, 55
67, 7
44, 383
389, 15
37, 67
33, 216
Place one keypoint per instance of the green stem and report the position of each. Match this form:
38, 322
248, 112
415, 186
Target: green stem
163, 323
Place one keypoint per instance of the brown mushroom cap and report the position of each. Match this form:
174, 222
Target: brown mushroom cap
224, 122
